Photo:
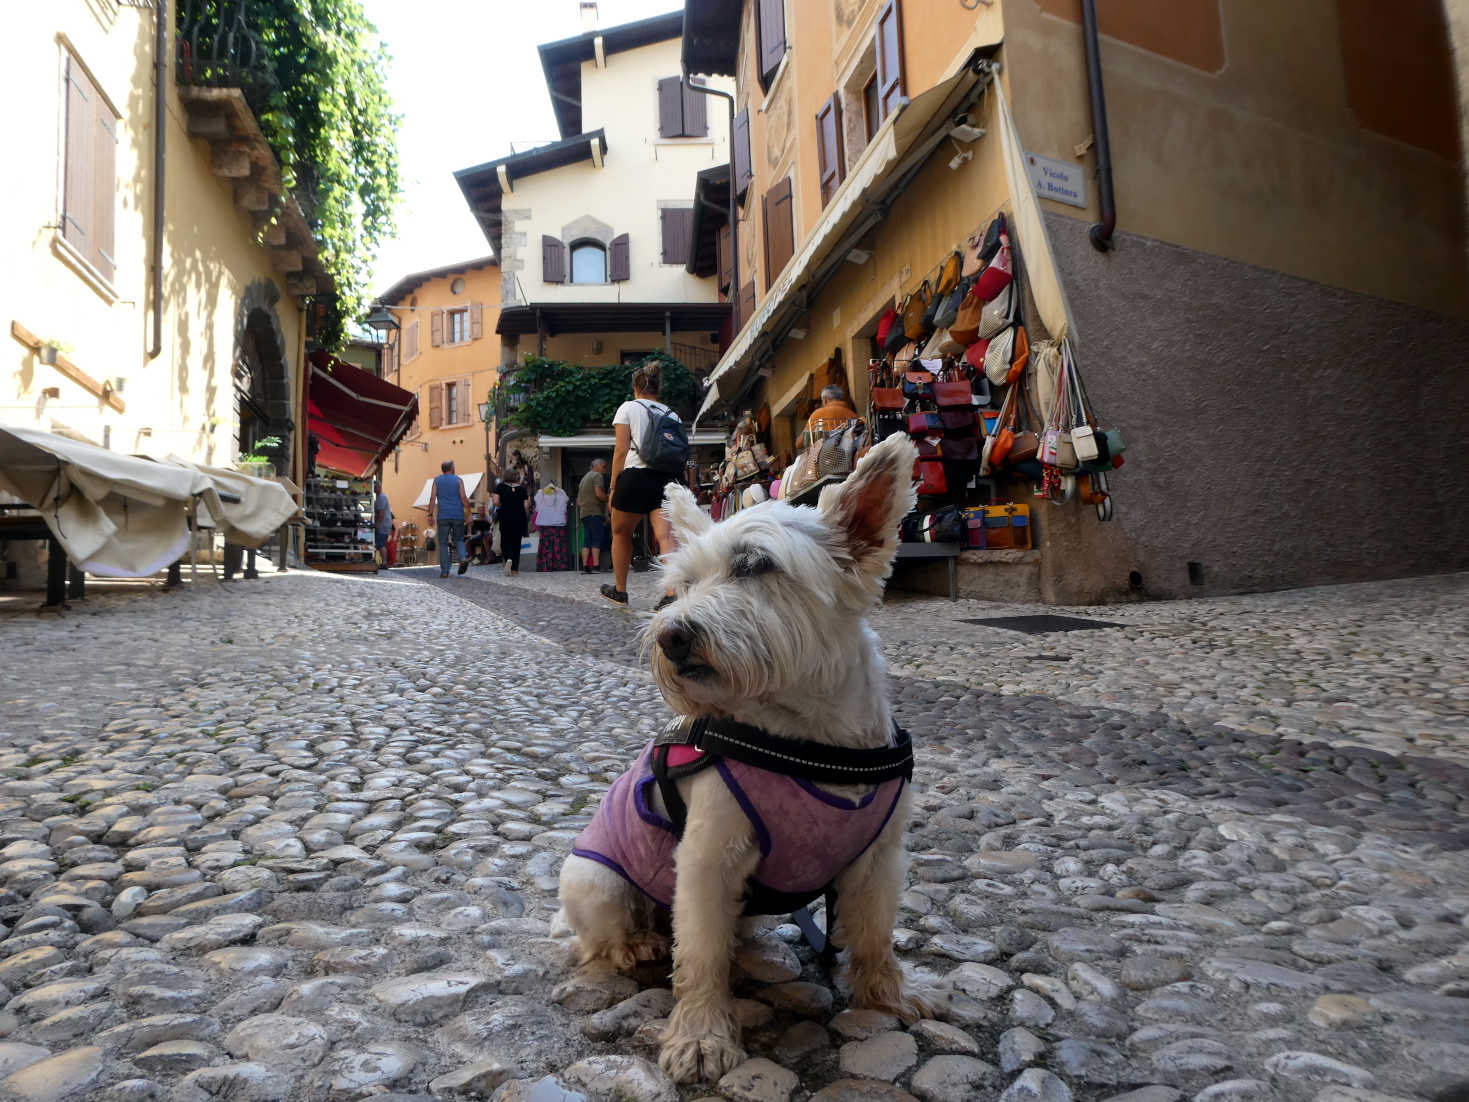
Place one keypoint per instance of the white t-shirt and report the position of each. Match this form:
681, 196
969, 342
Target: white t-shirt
550, 507
635, 415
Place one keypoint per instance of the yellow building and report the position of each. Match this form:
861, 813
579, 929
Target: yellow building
1273, 293
173, 329
444, 351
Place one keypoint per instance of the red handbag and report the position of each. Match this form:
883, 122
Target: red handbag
925, 424
953, 393
929, 474
974, 354
885, 325
997, 274
887, 397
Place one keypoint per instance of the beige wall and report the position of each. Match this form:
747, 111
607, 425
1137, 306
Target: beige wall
184, 398
1264, 160
422, 451
641, 173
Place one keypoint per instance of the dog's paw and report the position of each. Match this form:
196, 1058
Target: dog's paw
700, 1043
687, 1059
649, 945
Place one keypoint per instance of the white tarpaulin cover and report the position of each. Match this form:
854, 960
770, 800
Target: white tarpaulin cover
471, 484
124, 516
263, 507
114, 515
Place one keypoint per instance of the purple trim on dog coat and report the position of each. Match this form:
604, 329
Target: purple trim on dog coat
806, 835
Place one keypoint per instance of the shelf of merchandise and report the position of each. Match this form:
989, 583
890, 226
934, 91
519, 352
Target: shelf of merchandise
339, 524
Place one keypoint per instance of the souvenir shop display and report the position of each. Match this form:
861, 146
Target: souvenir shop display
339, 524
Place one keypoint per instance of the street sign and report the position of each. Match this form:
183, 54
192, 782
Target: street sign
1058, 180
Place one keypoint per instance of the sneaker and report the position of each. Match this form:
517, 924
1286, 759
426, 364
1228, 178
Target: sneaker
668, 599
615, 595
463, 565
507, 568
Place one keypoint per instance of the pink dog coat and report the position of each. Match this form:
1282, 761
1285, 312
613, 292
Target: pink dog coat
806, 835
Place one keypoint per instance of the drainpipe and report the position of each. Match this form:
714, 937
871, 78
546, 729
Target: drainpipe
160, 119
1101, 233
734, 231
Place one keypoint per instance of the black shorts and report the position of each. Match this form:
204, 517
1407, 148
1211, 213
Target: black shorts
640, 490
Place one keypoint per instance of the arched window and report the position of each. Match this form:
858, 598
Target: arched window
588, 262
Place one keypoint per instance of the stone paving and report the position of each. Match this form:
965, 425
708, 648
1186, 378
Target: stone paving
298, 839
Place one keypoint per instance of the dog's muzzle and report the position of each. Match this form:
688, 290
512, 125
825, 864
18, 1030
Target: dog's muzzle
677, 641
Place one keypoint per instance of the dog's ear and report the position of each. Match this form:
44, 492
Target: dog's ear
683, 512
867, 508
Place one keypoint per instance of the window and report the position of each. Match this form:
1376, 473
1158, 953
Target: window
871, 112
682, 112
632, 357
677, 224
410, 341
456, 326
771, 15
742, 171
451, 403
588, 263
888, 43
830, 158
780, 230
89, 193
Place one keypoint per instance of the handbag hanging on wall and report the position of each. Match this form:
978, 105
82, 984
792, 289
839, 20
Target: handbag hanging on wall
1083, 432
915, 310
978, 251
998, 273
953, 390
999, 352
965, 329
948, 310
929, 474
999, 312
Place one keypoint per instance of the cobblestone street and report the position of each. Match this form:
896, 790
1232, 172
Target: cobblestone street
298, 838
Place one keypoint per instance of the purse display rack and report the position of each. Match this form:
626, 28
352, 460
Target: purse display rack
945, 346
339, 520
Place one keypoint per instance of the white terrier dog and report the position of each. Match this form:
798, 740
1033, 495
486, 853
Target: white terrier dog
769, 631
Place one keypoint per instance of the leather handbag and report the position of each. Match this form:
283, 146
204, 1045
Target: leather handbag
1004, 434
998, 273
915, 309
978, 251
928, 446
949, 273
1020, 357
957, 422
918, 385
1083, 433
929, 474
896, 337
885, 325
998, 312
965, 329
925, 424
997, 356
1024, 447
887, 397
963, 449
974, 357
952, 393
948, 346
943, 526
906, 355
948, 310
934, 348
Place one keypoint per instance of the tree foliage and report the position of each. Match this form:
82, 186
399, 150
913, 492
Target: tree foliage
561, 399
318, 89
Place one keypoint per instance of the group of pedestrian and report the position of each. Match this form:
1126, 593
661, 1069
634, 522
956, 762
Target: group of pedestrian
650, 451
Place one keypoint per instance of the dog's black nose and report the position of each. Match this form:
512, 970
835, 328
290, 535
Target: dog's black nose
676, 641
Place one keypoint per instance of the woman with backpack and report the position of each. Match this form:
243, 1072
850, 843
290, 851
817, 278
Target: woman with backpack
651, 450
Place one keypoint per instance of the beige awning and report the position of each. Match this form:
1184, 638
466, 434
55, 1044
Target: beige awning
902, 144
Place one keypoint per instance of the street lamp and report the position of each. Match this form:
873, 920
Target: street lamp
486, 411
382, 322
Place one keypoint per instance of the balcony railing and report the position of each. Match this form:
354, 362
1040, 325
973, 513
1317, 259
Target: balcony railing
218, 49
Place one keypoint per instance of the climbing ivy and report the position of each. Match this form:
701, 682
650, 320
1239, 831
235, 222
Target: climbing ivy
561, 399
318, 90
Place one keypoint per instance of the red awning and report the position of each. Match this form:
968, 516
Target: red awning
357, 417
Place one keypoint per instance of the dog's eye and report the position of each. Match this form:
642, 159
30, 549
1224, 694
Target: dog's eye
751, 564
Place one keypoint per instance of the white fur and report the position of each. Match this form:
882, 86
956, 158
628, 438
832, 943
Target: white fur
775, 599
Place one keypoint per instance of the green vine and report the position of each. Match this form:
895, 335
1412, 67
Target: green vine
561, 399
320, 96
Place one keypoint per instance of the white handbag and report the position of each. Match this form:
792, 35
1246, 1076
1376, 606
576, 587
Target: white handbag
997, 356
997, 313
1083, 436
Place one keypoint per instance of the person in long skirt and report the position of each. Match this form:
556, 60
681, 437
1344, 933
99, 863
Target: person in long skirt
510, 500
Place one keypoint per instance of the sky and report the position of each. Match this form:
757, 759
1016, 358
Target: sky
466, 78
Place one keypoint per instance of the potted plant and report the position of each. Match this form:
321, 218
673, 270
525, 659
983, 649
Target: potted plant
258, 460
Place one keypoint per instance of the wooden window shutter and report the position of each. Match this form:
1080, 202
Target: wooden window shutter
436, 328
619, 263
779, 230
553, 259
676, 224
104, 184
724, 257
829, 147
435, 405
745, 307
476, 322
78, 204
772, 37
742, 172
888, 45
670, 108
695, 113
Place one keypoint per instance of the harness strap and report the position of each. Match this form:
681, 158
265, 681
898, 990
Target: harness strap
812, 761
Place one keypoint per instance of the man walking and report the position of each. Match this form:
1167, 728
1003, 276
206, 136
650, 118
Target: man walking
383, 517
591, 505
448, 504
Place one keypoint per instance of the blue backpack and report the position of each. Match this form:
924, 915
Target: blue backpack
665, 443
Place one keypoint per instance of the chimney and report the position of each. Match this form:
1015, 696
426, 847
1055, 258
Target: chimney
588, 15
